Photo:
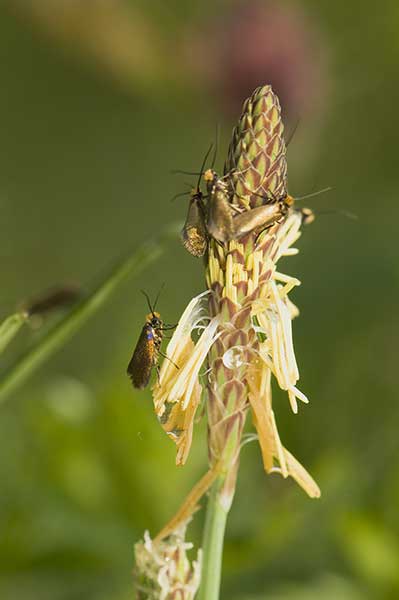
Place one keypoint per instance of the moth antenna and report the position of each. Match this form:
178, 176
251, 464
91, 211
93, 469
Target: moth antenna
159, 293
217, 136
327, 189
170, 360
340, 211
293, 132
180, 172
272, 196
199, 174
179, 195
203, 166
148, 300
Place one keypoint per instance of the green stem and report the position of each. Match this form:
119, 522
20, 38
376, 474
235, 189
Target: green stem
10, 327
215, 524
79, 314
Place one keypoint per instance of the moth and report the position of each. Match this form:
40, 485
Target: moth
214, 216
148, 348
194, 234
226, 222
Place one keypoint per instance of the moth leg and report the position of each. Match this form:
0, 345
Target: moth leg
169, 359
167, 327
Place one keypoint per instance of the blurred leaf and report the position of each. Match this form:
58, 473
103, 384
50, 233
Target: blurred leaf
328, 587
371, 548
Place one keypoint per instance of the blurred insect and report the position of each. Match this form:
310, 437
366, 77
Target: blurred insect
148, 347
55, 298
307, 215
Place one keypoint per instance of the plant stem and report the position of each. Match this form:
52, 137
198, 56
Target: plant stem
215, 524
10, 327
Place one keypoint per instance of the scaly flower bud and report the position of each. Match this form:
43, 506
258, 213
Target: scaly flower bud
257, 152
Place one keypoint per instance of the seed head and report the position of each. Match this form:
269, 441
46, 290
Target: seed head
163, 571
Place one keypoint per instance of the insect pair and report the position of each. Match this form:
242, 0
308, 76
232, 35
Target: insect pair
213, 215
148, 348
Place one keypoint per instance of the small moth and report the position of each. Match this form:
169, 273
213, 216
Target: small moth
57, 297
194, 234
225, 222
219, 221
307, 215
148, 348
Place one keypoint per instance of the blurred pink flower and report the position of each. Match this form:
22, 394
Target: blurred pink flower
260, 43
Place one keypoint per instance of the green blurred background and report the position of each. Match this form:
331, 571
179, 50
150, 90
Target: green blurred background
99, 101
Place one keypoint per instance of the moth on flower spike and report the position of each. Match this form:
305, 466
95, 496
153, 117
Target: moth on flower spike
226, 222
194, 233
148, 348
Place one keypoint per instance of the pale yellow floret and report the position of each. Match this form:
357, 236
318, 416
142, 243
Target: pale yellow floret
239, 274
179, 349
257, 260
229, 292
274, 313
250, 287
276, 458
291, 252
178, 392
294, 310
188, 373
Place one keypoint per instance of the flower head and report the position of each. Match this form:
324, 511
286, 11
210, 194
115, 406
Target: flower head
248, 339
250, 295
163, 571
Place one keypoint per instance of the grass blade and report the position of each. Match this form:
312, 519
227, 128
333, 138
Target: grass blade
10, 327
74, 320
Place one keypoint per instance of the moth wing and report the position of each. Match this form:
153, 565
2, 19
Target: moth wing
220, 217
194, 235
257, 218
142, 361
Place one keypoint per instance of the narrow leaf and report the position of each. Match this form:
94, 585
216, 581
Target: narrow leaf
10, 327
74, 319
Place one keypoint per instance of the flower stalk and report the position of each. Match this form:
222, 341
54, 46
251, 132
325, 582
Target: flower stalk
212, 543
